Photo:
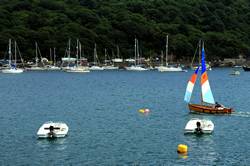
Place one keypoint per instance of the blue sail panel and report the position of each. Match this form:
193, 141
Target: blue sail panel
203, 62
207, 95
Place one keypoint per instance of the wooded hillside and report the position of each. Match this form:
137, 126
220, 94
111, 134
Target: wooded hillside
224, 25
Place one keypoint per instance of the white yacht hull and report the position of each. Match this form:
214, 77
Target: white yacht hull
36, 69
207, 126
12, 71
53, 68
96, 68
136, 68
60, 131
110, 68
169, 69
78, 70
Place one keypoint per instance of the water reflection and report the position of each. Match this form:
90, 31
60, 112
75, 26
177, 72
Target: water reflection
202, 149
57, 143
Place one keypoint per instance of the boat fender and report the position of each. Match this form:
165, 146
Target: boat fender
146, 110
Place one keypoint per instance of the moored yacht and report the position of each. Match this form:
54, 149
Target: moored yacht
96, 66
77, 68
12, 69
137, 66
36, 67
108, 65
168, 68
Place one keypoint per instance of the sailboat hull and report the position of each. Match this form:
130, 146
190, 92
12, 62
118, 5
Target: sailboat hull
169, 69
12, 71
245, 68
209, 109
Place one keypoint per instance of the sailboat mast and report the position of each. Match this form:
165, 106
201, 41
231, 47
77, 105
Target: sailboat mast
80, 50
69, 52
54, 56
199, 51
50, 54
135, 51
77, 49
15, 54
200, 42
161, 58
138, 55
167, 50
105, 56
36, 54
9, 52
118, 51
95, 54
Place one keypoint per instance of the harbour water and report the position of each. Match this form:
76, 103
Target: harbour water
105, 127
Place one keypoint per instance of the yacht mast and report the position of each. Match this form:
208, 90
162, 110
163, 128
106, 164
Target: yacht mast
50, 54
167, 50
138, 55
80, 50
95, 55
36, 55
135, 51
105, 55
77, 49
15, 54
118, 51
69, 52
9, 52
54, 56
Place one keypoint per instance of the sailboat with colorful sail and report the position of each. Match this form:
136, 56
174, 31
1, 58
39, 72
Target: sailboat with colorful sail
208, 104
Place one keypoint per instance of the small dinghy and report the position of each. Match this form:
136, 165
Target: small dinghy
199, 126
53, 130
235, 72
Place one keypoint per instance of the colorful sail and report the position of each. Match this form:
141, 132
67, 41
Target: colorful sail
190, 86
207, 95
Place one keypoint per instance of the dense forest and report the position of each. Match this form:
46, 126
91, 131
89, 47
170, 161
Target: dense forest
224, 26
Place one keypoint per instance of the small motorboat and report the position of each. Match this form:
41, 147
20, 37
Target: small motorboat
246, 68
235, 72
53, 130
199, 126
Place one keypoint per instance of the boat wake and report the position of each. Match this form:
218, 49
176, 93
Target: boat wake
241, 114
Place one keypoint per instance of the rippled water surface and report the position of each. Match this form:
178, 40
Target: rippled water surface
105, 127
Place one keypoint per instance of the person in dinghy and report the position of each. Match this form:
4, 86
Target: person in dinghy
51, 133
198, 130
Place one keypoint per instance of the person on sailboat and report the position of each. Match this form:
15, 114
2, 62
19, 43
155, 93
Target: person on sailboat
217, 105
198, 130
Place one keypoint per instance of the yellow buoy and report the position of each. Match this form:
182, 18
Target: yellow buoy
182, 149
144, 111
141, 110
